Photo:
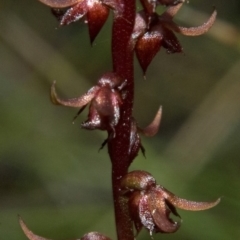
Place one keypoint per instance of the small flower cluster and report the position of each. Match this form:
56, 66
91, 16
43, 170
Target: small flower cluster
150, 205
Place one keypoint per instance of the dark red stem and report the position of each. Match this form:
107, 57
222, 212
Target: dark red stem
122, 56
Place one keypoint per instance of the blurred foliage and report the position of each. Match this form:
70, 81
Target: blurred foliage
51, 172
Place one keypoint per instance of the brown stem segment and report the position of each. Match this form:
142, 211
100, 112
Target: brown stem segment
119, 146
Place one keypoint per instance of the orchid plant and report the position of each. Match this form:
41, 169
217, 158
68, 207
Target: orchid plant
139, 202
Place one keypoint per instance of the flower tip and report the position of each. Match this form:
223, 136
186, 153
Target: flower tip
194, 206
153, 127
29, 234
197, 31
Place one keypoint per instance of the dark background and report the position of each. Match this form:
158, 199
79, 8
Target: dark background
51, 172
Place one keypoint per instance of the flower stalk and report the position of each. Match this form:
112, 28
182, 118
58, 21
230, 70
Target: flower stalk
118, 147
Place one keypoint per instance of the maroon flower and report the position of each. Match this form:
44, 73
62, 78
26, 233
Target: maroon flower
153, 31
94, 11
150, 205
104, 99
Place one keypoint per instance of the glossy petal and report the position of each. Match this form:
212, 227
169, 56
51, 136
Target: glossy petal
163, 223
96, 16
147, 47
74, 13
60, 3
137, 180
145, 214
161, 213
73, 102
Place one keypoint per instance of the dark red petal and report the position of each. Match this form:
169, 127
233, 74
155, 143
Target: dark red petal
170, 41
163, 222
147, 47
74, 13
145, 213
96, 16
161, 211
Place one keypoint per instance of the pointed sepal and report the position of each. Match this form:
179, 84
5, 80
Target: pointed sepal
147, 47
96, 17
32, 236
73, 102
153, 127
28, 233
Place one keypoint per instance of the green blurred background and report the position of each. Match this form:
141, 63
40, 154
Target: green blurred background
51, 172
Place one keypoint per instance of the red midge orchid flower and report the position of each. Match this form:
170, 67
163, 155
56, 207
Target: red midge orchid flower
94, 11
151, 31
150, 205
104, 99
